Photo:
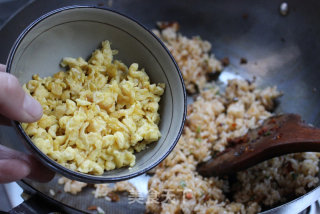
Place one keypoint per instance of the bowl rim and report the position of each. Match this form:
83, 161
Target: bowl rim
55, 165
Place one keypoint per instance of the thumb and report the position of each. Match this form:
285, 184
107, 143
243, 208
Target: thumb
15, 103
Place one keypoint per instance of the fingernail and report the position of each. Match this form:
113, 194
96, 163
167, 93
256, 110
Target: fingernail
32, 107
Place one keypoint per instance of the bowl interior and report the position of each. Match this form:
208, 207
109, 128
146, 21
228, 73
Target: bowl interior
77, 32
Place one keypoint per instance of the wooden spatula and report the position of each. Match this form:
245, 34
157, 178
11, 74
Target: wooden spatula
277, 136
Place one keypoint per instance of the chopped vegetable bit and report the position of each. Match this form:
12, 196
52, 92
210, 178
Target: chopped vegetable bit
243, 60
225, 61
163, 25
198, 129
183, 183
294, 176
92, 207
207, 197
267, 133
188, 195
214, 154
113, 196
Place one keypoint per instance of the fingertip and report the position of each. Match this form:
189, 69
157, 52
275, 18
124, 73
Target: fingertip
33, 108
39, 172
24, 168
13, 170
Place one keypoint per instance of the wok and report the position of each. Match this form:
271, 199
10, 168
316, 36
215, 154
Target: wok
281, 50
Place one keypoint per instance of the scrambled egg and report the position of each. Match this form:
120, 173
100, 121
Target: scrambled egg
96, 114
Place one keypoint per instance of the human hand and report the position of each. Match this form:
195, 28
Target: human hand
15, 104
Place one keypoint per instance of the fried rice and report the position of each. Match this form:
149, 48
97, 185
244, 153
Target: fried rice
212, 119
193, 55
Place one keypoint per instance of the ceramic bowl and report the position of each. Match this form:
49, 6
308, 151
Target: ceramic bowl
77, 31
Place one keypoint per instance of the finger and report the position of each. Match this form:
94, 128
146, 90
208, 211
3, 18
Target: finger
13, 170
15, 103
37, 171
2, 68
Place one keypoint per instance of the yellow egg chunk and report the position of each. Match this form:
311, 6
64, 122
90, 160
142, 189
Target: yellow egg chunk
96, 114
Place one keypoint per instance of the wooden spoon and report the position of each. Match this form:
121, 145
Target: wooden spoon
279, 135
